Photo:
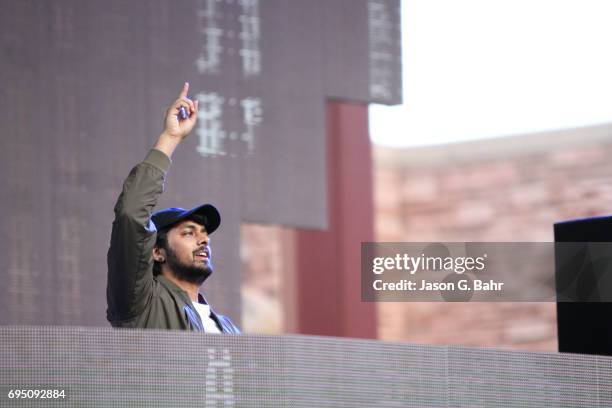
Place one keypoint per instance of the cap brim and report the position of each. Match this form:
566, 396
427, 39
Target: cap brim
212, 218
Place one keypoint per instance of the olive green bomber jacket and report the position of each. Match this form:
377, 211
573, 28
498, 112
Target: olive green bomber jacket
135, 297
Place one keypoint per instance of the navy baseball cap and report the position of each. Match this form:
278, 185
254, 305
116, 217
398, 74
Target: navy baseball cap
167, 218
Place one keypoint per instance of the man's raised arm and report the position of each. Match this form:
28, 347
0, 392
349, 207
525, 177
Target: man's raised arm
133, 234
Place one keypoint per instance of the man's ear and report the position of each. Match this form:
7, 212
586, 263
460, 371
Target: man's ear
159, 254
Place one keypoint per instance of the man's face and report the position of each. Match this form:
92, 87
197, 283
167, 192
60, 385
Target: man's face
188, 253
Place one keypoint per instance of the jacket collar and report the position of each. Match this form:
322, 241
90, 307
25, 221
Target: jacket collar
185, 297
175, 288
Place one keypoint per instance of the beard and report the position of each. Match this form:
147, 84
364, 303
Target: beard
188, 272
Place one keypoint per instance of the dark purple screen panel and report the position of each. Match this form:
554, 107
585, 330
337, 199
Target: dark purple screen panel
84, 86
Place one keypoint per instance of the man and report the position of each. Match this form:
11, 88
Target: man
157, 262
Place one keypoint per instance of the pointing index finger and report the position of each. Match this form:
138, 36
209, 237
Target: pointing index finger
184, 91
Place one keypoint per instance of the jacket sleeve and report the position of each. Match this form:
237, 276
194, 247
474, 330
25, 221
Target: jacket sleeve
130, 264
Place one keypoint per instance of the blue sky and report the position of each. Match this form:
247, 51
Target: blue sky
487, 68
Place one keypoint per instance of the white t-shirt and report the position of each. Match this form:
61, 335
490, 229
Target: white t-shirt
210, 326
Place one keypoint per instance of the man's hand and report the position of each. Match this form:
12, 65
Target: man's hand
176, 129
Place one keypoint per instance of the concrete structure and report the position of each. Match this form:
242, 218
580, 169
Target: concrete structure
506, 189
